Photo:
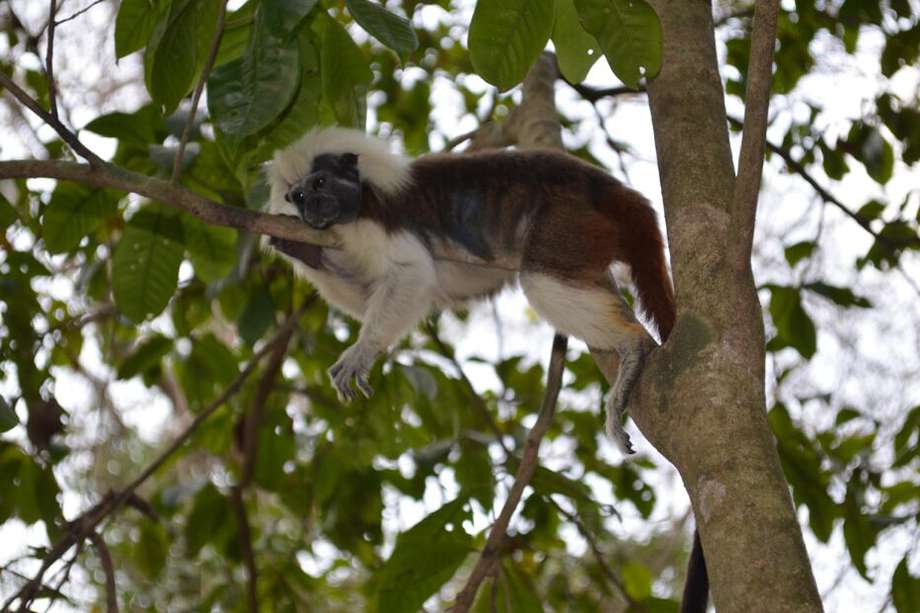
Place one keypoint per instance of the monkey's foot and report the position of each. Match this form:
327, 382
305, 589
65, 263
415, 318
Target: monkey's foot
353, 365
615, 429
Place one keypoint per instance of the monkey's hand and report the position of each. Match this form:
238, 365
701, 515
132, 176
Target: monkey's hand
354, 364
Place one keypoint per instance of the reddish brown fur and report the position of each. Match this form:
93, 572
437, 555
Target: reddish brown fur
579, 219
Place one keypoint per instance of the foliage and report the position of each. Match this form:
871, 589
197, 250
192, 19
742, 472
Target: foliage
168, 304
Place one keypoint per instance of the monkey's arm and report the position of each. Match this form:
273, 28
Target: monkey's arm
399, 299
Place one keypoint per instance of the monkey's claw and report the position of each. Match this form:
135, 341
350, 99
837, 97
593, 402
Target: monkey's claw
351, 366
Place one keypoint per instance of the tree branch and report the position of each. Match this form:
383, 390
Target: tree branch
286, 227
489, 556
246, 549
49, 60
478, 402
105, 558
80, 12
196, 97
756, 112
87, 522
598, 554
66, 135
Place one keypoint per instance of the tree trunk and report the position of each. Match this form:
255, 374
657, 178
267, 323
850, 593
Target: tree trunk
702, 401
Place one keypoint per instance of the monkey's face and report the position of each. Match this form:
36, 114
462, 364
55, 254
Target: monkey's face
331, 193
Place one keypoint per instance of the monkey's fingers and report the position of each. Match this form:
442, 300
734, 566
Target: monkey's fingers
364, 386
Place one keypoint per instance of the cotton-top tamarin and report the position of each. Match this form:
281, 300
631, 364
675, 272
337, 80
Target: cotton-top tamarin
566, 220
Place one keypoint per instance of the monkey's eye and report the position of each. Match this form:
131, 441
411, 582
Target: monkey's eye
298, 197
318, 183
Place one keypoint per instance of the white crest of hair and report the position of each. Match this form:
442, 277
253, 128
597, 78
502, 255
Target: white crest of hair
377, 163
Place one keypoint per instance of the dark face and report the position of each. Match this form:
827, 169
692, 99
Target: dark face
331, 193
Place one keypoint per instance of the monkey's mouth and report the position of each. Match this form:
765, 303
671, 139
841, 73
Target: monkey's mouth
319, 213
318, 224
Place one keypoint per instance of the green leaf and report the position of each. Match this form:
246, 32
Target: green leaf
284, 16
303, 113
145, 265
345, 73
905, 589
178, 51
140, 127
135, 23
873, 150
145, 356
629, 33
256, 317
859, 534
424, 558
507, 36
842, 296
209, 521
576, 50
246, 95
212, 249
637, 579
475, 474
799, 251
793, 325
74, 212
392, 30
871, 211
152, 549
8, 214
846, 414
8, 418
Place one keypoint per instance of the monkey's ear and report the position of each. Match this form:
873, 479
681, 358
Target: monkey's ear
349, 159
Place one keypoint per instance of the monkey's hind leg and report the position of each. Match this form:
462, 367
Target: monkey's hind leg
598, 314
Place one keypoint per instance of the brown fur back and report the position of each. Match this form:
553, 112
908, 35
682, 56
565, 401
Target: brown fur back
569, 219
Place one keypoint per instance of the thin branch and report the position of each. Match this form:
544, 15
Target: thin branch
87, 522
68, 137
190, 122
756, 111
80, 12
478, 402
459, 140
593, 94
249, 558
598, 554
490, 553
253, 418
105, 558
49, 60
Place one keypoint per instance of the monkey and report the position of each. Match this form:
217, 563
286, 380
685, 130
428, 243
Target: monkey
568, 222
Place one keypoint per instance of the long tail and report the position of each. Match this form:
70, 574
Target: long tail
696, 589
642, 248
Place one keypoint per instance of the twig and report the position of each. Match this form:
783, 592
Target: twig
78, 13
459, 140
49, 60
593, 94
478, 403
598, 554
253, 417
756, 111
245, 535
190, 122
88, 521
489, 556
68, 137
105, 558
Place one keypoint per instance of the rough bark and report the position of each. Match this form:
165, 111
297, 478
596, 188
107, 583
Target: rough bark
702, 395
